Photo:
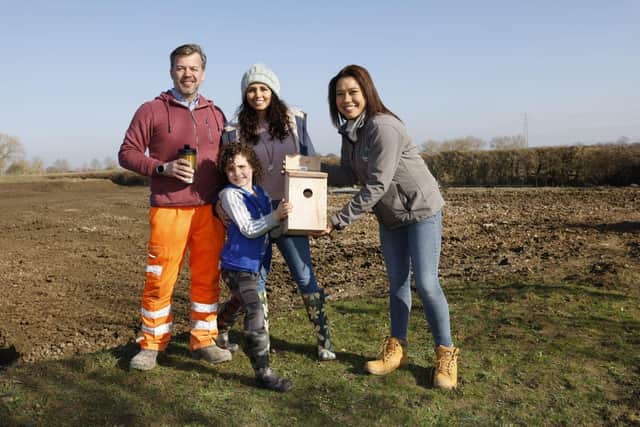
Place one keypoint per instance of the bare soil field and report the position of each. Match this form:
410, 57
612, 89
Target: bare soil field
73, 253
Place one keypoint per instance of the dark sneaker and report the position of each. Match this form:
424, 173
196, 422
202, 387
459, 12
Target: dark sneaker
271, 381
212, 354
145, 360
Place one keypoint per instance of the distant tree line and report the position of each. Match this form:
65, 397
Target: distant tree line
604, 164
13, 161
460, 161
472, 143
506, 142
463, 161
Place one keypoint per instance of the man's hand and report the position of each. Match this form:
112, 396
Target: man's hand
179, 169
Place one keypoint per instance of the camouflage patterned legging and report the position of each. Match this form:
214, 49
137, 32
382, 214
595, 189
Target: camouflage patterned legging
245, 298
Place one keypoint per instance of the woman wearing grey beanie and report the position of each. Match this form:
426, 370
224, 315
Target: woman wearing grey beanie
275, 130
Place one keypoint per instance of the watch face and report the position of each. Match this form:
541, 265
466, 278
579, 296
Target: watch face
160, 169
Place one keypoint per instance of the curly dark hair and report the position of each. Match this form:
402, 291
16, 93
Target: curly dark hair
229, 151
276, 116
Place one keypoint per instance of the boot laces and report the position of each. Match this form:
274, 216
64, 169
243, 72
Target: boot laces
445, 364
389, 347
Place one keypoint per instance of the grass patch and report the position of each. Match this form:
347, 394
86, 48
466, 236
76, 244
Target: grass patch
531, 354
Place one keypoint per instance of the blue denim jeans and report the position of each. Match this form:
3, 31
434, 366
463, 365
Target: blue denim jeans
297, 254
416, 247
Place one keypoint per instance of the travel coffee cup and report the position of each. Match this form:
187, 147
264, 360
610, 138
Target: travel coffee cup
191, 155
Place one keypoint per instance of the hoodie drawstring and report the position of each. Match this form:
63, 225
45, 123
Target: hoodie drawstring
210, 105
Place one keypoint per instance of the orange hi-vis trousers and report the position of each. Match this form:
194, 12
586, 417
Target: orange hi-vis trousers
173, 230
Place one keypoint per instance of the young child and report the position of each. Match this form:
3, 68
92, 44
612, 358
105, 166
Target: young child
246, 249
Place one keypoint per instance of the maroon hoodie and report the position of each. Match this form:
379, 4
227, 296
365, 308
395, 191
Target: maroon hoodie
163, 126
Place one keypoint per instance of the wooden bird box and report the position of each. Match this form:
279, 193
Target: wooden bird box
301, 163
306, 189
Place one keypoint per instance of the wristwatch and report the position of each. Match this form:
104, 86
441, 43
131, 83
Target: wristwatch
160, 169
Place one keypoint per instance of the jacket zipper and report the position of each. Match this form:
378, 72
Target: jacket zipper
195, 130
206, 122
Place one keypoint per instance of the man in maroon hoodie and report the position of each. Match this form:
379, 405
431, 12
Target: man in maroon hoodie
181, 215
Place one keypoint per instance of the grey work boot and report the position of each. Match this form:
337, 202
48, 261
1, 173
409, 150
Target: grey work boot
314, 303
257, 348
212, 354
145, 360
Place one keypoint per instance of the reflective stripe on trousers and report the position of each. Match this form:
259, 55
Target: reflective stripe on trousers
173, 231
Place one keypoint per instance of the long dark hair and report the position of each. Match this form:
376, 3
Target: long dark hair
229, 151
361, 75
276, 116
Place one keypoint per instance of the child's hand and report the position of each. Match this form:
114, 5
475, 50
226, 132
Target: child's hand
283, 210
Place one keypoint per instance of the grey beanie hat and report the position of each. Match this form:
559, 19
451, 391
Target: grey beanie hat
259, 73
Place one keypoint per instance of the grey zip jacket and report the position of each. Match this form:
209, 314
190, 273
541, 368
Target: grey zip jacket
396, 183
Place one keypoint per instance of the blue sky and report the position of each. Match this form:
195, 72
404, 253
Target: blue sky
74, 72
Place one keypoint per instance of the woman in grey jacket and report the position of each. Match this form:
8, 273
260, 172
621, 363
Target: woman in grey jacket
275, 130
399, 188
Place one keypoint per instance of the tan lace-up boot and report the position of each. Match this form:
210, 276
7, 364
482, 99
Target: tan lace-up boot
392, 356
446, 372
